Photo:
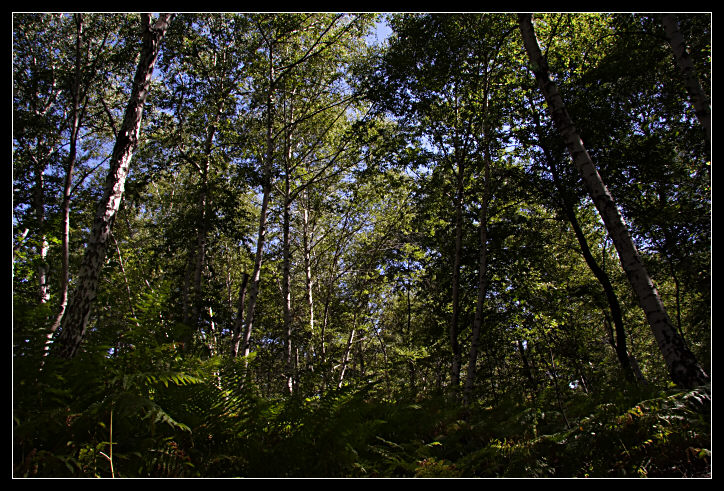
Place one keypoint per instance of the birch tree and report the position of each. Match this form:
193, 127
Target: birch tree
699, 100
37, 121
75, 321
681, 363
286, 51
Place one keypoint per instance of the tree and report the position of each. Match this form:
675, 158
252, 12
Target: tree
435, 292
424, 89
564, 198
205, 62
86, 76
36, 90
285, 53
75, 321
683, 366
688, 72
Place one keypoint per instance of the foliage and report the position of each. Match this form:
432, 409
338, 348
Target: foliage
376, 178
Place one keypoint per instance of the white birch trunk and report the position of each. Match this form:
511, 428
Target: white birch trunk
76, 317
683, 366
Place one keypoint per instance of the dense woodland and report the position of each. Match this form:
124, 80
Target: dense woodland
281, 245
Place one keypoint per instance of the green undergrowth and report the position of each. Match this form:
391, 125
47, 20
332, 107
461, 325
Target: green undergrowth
154, 412
177, 424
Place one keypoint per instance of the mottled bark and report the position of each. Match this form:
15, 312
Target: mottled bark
685, 64
75, 320
683, 366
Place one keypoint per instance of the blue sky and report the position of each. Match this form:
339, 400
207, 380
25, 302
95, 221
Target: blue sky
382, 31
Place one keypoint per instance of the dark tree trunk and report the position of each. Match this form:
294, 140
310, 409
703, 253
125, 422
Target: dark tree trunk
568, 208
453, 332
683, 367
236, 336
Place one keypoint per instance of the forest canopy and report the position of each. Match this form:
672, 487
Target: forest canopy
280, 245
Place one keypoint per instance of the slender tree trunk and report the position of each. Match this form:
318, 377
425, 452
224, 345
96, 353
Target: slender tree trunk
613, 304
200, 257
683, 366
453, 333
696, 93
407, 334
287, 250
39, 205
67, 185
567, 206
286, 284
307, 246
322, 343
186, 290
236, 336
482, 285
256, 275
347, 353
40, 162
75, 320
202, 231
263, 214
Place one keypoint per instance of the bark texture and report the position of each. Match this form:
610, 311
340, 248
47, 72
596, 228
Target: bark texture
75, 320
683, 367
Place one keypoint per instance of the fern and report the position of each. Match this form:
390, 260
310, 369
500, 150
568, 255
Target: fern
663, 436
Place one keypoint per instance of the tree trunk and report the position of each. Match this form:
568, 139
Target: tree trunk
453, 333
67, 185
204, 210
263, 214
347, 353
39, 204
567, 206
307, 246
75, 320
482, 286
287, 285
287, 250
236, 336
683, 367
261, 240
686, 66
256, 275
